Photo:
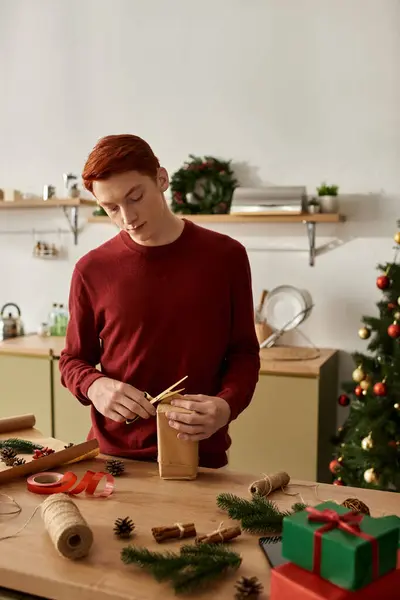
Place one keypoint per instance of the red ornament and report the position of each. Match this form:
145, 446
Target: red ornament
394, 330
380, 389
344, 400
358, 390
391, 306
383, 282
338, 482
334, 465
392, 444
44, 452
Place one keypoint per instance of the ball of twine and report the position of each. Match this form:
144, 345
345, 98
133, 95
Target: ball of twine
68, 530
357, 506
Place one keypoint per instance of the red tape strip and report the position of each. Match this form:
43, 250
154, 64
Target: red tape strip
56, 483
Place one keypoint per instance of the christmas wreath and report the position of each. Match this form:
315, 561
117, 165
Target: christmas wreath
203, 186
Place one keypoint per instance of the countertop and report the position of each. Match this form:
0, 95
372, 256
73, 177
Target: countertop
30, 564
280, 360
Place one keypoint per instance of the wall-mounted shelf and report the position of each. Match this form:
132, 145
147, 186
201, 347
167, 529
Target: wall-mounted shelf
70, 207
310, 221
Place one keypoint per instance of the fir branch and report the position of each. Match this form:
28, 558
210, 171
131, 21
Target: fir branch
258, 515
20, 446
194, 567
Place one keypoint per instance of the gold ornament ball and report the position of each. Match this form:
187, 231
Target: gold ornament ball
367, 443
398, 300
397, 316
370, 476
340, 459
365, 383
358, 375
364, 333
397, 406
396, 237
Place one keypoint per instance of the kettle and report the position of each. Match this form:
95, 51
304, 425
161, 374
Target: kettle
10, 326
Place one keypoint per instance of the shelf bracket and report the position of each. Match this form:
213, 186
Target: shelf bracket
311, 227
71, 214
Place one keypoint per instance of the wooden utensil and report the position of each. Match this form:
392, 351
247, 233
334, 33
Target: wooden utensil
165, 394
259, 309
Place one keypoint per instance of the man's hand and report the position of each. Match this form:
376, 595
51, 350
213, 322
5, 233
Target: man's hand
119, 401
210, 414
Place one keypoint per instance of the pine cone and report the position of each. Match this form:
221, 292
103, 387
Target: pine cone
8, 454
115, 467
18, 461
124, 527
248, 587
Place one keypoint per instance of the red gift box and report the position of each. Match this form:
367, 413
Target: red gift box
290, 582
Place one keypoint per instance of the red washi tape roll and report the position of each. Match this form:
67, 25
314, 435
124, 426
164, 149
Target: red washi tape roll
56, 483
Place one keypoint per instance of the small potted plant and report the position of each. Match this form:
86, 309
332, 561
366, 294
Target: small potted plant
328, 195
313, 206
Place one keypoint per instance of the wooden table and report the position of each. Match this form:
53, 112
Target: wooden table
30, 564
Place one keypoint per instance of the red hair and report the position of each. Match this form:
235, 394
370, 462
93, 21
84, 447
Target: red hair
115, 154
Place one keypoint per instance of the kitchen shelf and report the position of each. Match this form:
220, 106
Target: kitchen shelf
70, 207
310, 220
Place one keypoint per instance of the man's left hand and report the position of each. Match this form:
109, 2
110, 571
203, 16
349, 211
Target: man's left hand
210, 413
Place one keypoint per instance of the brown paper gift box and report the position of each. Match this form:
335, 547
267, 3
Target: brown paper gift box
177, 459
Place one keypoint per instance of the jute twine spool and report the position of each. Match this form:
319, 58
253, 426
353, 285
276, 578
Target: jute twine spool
68, 530
269, 483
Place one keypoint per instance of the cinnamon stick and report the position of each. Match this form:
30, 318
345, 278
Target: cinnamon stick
219, 535
176, 531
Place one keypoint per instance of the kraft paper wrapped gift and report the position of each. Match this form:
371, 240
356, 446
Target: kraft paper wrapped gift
177, 459
290, 582
319, 539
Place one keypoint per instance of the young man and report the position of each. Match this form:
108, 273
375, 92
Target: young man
163, 299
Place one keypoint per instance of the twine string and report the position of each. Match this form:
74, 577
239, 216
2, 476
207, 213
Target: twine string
181, 529
17, 508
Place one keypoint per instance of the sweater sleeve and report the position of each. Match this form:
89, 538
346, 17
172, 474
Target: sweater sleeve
242, 364
81, 354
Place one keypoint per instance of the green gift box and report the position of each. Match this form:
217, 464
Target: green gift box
340, 546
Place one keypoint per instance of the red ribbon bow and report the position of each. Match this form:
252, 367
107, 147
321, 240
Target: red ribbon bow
350, 523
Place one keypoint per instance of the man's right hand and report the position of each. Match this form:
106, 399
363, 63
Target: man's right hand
119, 401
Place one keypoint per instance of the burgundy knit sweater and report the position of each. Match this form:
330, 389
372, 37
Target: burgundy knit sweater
149, 316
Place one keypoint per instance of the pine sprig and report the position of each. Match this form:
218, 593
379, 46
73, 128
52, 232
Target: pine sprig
20, 446
258, 515
192, 568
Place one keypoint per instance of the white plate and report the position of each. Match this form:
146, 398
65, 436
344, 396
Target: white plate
283, 305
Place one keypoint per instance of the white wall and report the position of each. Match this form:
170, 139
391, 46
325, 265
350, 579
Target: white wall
295, 91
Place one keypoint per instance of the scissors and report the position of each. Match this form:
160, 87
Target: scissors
165, 394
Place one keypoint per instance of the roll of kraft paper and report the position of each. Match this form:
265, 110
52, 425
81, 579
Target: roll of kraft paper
57, 483
17, 423
68, 530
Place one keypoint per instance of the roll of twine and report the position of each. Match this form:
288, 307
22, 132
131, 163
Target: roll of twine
68, 530
269, 483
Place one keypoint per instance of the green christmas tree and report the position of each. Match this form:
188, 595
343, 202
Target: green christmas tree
367, 447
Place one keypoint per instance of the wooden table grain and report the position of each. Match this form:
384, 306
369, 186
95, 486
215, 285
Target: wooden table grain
29, 563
